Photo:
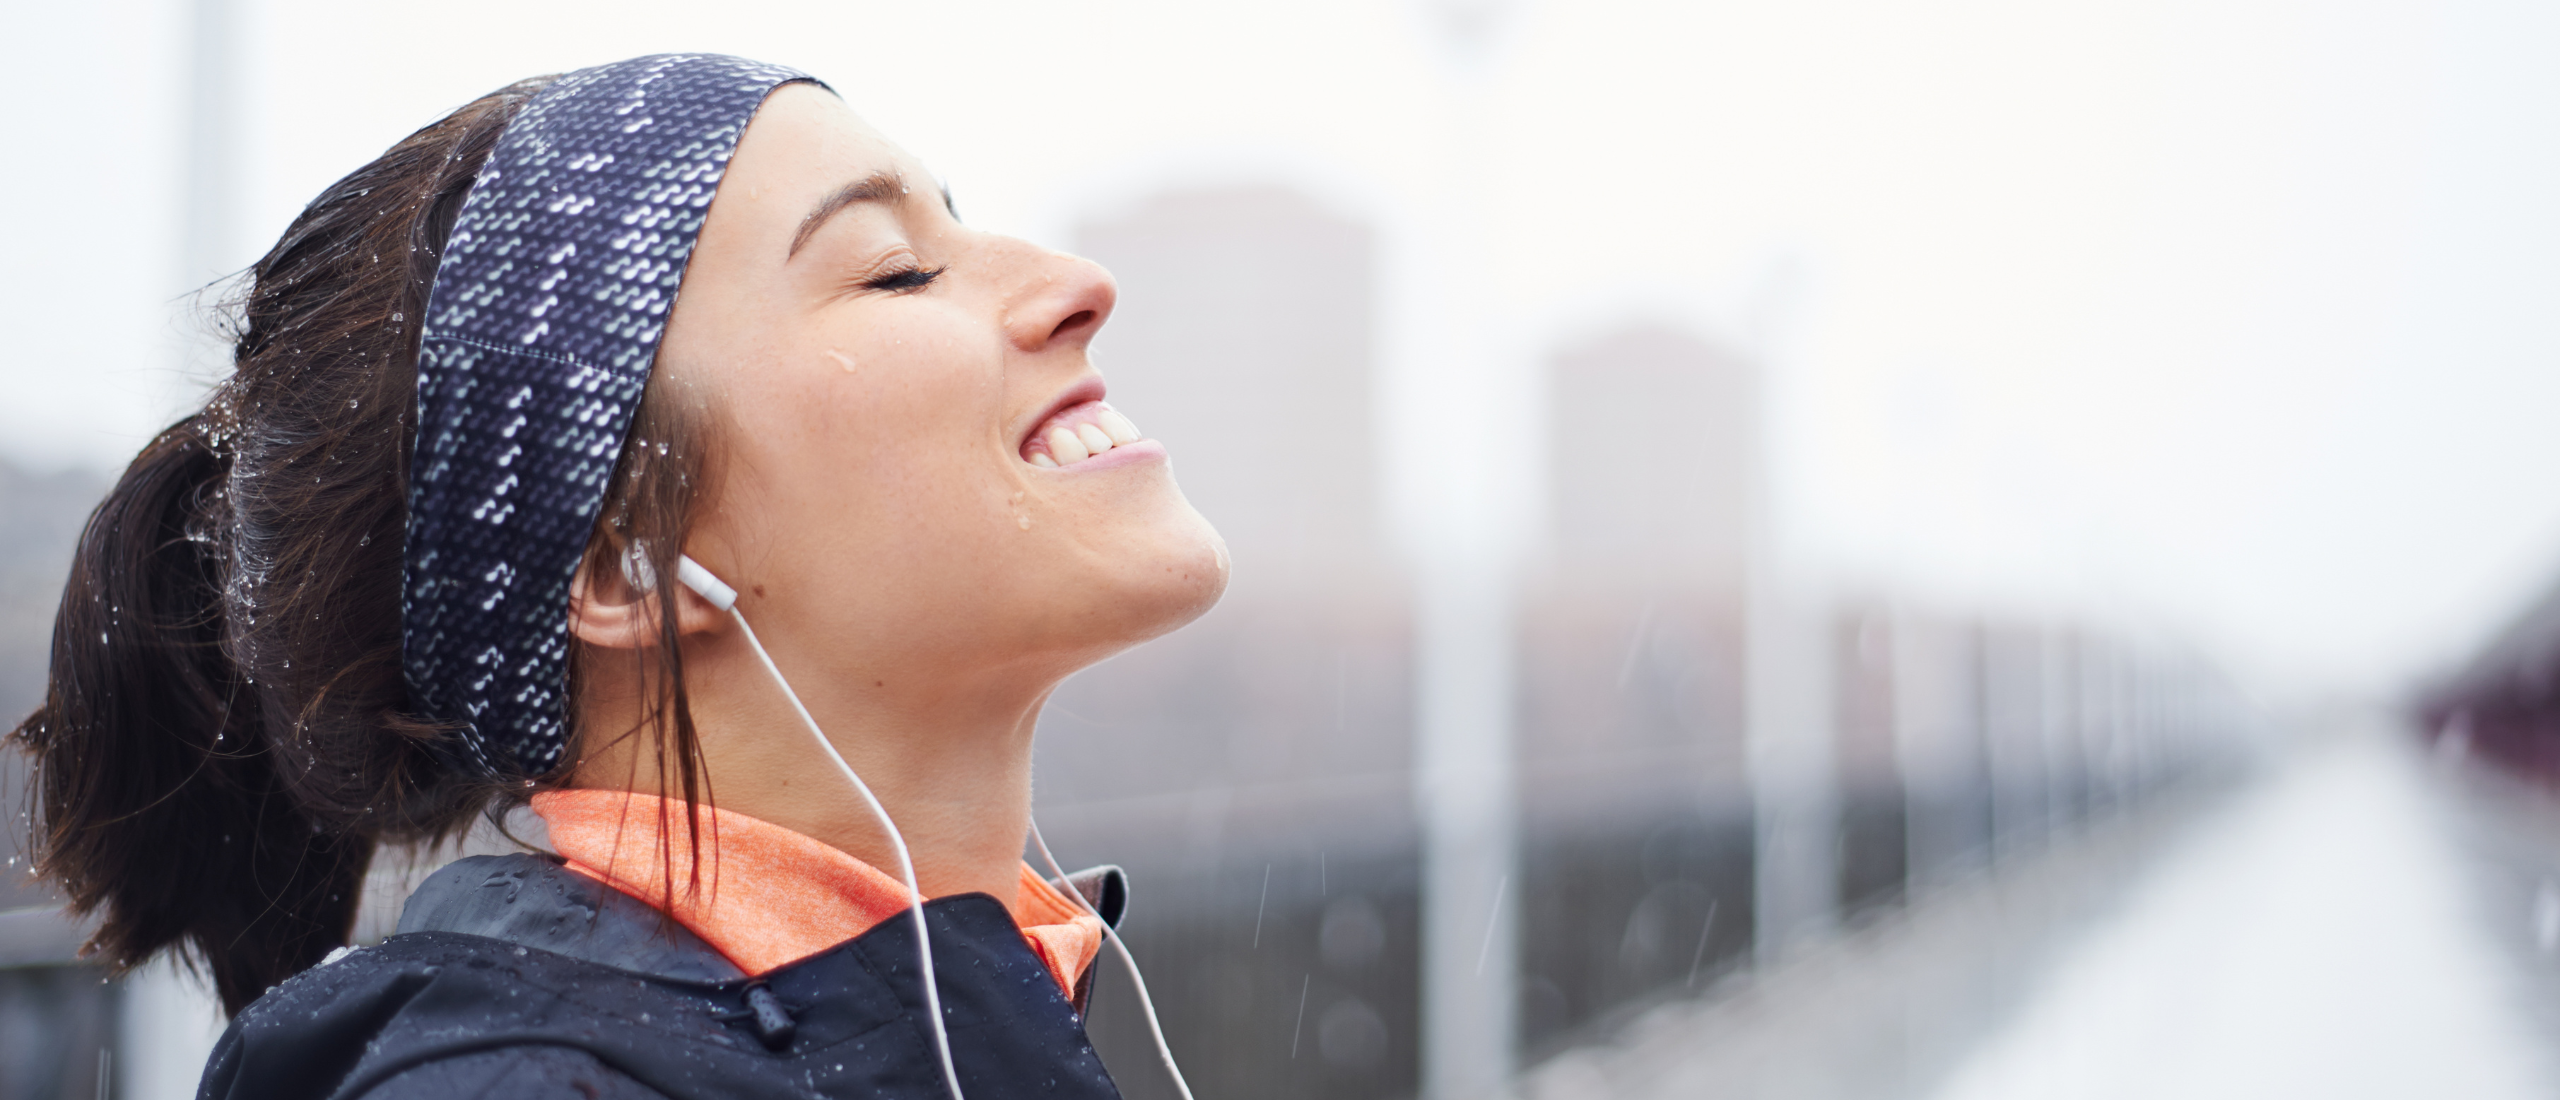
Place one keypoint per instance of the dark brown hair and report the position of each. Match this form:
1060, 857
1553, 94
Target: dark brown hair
226, 735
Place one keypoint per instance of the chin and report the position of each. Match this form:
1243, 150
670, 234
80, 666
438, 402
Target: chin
1159, 580
1182, 580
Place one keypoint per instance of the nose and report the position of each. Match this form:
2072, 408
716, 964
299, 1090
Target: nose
1066, 299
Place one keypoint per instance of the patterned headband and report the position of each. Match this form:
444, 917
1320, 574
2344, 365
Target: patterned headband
540, 330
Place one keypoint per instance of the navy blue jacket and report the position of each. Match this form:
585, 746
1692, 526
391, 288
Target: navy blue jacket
512, 978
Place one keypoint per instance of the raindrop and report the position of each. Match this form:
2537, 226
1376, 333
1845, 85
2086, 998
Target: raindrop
1301, 1029
1259, 906
1699, 957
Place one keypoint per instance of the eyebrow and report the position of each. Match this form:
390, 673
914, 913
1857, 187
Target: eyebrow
876, 187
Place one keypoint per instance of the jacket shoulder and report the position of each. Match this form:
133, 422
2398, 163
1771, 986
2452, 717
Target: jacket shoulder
513, 1073
534, 902
422, 1007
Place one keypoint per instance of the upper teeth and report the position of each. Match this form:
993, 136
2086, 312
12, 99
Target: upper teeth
1067, 443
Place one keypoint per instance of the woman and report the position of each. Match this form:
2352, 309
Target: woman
404, 569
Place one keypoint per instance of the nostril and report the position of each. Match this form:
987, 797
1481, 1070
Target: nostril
1081, 319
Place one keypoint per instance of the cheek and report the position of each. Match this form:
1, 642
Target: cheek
892, 396
878, 446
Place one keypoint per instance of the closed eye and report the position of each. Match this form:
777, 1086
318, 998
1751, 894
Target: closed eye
905, 278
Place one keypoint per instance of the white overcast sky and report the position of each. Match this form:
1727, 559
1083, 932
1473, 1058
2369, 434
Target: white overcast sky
2240, 317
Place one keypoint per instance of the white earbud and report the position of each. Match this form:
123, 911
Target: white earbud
636, 570
640, 574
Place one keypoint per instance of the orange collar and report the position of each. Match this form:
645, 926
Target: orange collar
770, 896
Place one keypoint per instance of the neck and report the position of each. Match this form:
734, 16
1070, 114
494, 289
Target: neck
949, 762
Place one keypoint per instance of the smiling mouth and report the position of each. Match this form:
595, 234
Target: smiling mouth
1077, 433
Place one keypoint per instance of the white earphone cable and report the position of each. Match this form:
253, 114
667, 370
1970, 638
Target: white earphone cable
1164, 1051
721, 596
906, 864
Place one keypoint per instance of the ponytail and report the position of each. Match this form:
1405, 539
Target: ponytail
161, 808
227, 735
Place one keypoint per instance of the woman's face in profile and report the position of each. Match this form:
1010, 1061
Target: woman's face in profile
917, 476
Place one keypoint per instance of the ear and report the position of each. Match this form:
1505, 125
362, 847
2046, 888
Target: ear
609, 611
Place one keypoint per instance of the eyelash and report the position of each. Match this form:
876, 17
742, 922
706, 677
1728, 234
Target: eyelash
905, 278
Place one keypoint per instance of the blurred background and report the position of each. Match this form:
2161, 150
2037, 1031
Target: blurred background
1835, 549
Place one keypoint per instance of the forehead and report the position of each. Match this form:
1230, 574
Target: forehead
803, 145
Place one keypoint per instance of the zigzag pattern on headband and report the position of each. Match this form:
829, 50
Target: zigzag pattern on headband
544, 320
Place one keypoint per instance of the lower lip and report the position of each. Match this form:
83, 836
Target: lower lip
1126, 454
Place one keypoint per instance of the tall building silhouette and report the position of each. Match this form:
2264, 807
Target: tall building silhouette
1636, 811
1252, 770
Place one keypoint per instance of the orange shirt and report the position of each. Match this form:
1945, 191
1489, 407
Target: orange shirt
771, 896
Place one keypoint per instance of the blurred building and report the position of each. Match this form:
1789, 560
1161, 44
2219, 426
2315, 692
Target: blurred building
1636, 812
2504, 702
1253, 770
2492, 727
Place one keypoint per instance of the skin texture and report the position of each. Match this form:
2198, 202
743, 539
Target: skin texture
921, 584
